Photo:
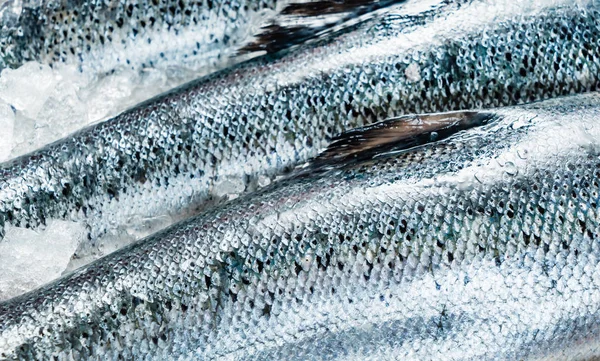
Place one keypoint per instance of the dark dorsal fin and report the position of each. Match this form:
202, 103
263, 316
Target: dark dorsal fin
397, 134
329, 7
302, 20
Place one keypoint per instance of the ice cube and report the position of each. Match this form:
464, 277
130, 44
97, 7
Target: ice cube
27, 88
31, 258
7, 123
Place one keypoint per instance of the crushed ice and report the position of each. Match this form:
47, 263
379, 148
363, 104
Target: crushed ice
23, 267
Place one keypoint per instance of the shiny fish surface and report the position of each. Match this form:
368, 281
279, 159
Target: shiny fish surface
233, 131
99, 36
482, 246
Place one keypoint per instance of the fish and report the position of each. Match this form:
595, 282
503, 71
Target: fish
480, 245
238, 129
99, 37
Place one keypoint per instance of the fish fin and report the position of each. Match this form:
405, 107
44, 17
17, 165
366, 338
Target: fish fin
328, 7
397, 134
305, 19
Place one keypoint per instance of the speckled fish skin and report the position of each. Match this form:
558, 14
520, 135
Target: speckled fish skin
482, 246
227, 130
100, 36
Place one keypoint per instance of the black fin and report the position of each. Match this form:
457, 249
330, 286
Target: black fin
328, 7
397, 134
300, 21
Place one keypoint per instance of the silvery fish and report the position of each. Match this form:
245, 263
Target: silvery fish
480, 246
100, 36
235, 130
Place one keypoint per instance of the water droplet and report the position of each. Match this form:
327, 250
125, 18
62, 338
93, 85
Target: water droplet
523, 153
510, 168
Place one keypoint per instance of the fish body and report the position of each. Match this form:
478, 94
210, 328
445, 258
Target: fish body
227, 132
481, 246
100, 36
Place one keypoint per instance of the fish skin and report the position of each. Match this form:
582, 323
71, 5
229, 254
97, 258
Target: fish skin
176, 152
482, 246
100, 36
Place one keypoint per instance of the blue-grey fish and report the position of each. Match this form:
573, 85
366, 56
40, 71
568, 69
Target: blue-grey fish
480, 246
232, 131
99, 36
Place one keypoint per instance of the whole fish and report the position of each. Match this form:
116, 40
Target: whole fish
481, 246
99, 36
234, 130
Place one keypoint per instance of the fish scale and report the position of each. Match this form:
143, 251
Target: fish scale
481, 246
99, 36
178, 152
